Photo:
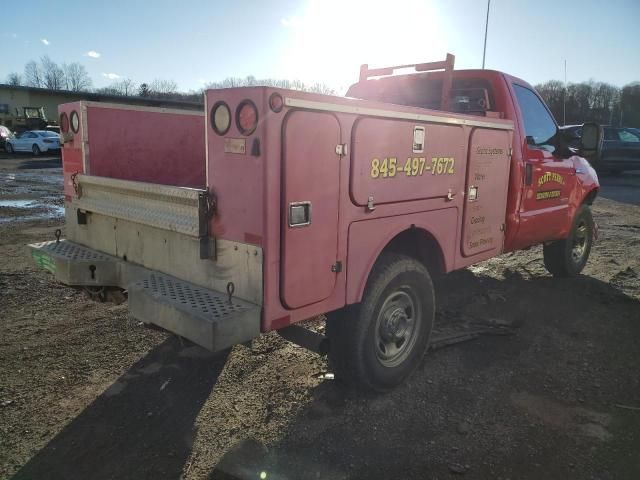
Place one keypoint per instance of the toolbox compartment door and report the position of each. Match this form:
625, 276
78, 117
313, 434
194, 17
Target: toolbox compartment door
310, 201
486, 192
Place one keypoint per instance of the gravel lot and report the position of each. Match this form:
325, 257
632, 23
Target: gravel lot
86, 393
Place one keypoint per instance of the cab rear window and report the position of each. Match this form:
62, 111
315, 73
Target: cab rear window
468, 95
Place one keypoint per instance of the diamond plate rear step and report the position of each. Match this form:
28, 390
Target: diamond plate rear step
206, 317
75, 264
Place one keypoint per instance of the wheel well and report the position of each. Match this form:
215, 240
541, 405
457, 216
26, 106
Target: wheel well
591, 196
419, 244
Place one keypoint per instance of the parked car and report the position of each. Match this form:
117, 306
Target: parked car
34, 141
620, 147
5, 133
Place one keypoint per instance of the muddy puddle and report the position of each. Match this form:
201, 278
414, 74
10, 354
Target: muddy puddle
31, 196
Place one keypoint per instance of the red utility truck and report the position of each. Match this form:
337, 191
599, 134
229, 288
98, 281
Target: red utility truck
276, 206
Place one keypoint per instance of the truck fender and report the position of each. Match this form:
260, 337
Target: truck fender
429, 236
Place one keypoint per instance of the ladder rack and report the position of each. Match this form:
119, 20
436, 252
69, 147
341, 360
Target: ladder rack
445, 65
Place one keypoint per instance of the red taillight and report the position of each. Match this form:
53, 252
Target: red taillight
275, 102
247, 117
64, 122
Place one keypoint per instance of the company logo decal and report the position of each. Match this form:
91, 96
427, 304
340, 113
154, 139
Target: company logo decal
489, 151
550, 177
548, 194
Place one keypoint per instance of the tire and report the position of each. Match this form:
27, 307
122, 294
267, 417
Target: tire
567, 258
8, 147
379, 342
35, 149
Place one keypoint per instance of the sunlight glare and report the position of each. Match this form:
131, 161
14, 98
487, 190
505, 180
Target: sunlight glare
330, 41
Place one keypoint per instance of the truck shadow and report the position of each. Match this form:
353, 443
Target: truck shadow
455, 414
141, 427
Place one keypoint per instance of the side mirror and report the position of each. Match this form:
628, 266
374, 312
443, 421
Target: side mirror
570, 135
591, 140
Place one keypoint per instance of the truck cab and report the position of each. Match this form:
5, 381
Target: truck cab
275, 206
538, 148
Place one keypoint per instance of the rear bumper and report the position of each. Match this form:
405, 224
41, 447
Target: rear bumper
204, 316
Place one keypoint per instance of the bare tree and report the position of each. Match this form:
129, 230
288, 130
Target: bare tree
110, 90
128, 87
297, 85
76, 77
33, 74
14, 79
125, 87
630, 103
52, 75
163, 87
320, 88
251, 81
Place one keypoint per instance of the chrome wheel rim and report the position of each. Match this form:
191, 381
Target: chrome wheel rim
397, 327
579, 246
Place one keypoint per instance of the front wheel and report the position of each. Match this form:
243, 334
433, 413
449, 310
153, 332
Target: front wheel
35, 149
567, 258
379, 342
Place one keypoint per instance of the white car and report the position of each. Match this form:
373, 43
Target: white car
34, 141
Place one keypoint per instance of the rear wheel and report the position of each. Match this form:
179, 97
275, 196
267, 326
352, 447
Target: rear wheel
379, 342
35, 149
566, 258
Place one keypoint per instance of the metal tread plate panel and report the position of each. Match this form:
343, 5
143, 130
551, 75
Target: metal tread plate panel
203, 315
198, 300
75, 264
178, 209
206, 317
71, 251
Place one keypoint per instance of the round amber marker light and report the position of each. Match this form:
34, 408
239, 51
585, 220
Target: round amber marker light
221, 118
75, 122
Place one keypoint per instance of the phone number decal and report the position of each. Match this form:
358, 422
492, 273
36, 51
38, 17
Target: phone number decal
389, 167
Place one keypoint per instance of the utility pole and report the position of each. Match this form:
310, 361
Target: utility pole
564, 95
486, 30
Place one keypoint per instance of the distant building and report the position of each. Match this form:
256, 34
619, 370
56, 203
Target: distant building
14, 98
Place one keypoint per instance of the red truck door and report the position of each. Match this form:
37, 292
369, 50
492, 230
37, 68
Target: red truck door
309, 207
549, 179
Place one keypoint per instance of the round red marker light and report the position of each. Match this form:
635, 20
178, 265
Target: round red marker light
64, 122
275, 102
247, 117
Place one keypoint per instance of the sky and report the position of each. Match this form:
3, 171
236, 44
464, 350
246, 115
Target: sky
194, 42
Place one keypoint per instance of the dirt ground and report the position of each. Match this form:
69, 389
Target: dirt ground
87, 393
